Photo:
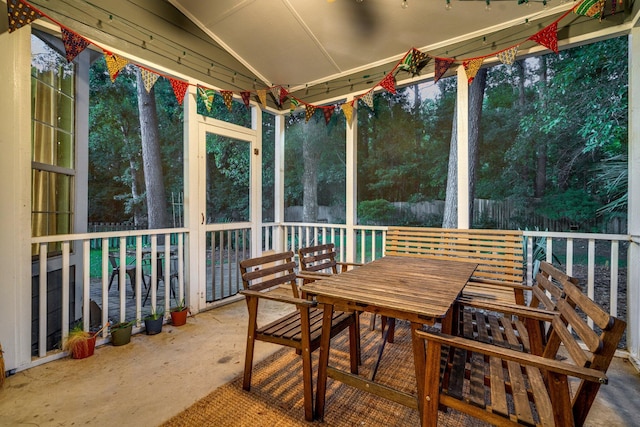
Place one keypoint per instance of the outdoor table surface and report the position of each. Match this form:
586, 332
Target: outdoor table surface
419, 290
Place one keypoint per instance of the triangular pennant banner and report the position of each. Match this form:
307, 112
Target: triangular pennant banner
418, 61
471, 68
508, 56
20, 14
328, 112
115, 63
547, 37
179, 88
283, 95
149, 78
207, 96
73, 43
347, 109
389, 83
262, 96
406, 61
441, 67
227, 96
294, 104
591, 8
308, 111
275, 91
246, 97
367, 98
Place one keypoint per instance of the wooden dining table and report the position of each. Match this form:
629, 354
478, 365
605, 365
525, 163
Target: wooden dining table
421, 291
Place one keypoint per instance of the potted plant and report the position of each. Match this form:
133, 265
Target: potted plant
153, 322
179, 313
121, 332
80, 343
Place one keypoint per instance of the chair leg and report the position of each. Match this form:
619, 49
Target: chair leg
252, 304
114, 273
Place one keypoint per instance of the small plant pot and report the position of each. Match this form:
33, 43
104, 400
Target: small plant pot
153, 326
121, 336
179, 318
84, 349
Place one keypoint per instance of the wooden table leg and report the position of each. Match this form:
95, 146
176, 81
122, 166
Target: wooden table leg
323, 361
419, 362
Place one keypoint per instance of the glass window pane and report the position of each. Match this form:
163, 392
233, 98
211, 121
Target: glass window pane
64, 118
42, 150
239, 113
268, 167
315, 169
64, 150
227, 179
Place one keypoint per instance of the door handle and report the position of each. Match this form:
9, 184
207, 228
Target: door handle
202, 215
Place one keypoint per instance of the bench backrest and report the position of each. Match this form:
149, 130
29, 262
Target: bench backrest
268, 271
571, 329
498, 253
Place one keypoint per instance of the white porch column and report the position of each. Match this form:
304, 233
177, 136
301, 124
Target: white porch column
351, 214
633, 265
255, 200
195, 271
15, 193
462, 105
278, 191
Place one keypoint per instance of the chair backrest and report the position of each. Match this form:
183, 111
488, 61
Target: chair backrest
549, 286
320, 258
571, 329
113, 262
268, 271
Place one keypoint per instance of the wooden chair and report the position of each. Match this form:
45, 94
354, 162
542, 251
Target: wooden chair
301, 329
320, 260
509, 387
515, 326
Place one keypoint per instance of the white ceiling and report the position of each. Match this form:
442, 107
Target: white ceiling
300, 42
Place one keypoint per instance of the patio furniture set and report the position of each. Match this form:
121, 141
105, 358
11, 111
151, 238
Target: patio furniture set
477, 348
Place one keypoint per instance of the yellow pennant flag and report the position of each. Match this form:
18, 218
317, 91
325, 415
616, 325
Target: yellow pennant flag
471, 68
149, 78
262, 95
115, 63
347, 109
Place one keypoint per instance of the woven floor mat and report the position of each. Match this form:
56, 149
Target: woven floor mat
275, 399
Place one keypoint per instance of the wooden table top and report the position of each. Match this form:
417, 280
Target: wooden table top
416, 286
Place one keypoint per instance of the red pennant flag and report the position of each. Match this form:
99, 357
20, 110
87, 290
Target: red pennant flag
20, 14
389, 83
179, 88
73, 43
441, 67
328, 112
283, 94
246, 97
547, 37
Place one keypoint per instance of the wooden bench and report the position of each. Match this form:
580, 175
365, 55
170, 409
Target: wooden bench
509, 387
515, 326
499, 276
301, 329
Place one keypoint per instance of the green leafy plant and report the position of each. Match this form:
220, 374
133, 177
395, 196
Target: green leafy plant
180, 305
155, 314
123, 325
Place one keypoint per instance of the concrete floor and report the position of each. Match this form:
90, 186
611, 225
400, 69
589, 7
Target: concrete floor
154, 377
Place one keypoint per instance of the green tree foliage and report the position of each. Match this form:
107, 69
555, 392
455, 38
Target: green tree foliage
116, 184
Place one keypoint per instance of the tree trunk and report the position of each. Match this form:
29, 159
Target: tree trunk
476, 96
450, 217
541, 146
310, 175
151, 160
